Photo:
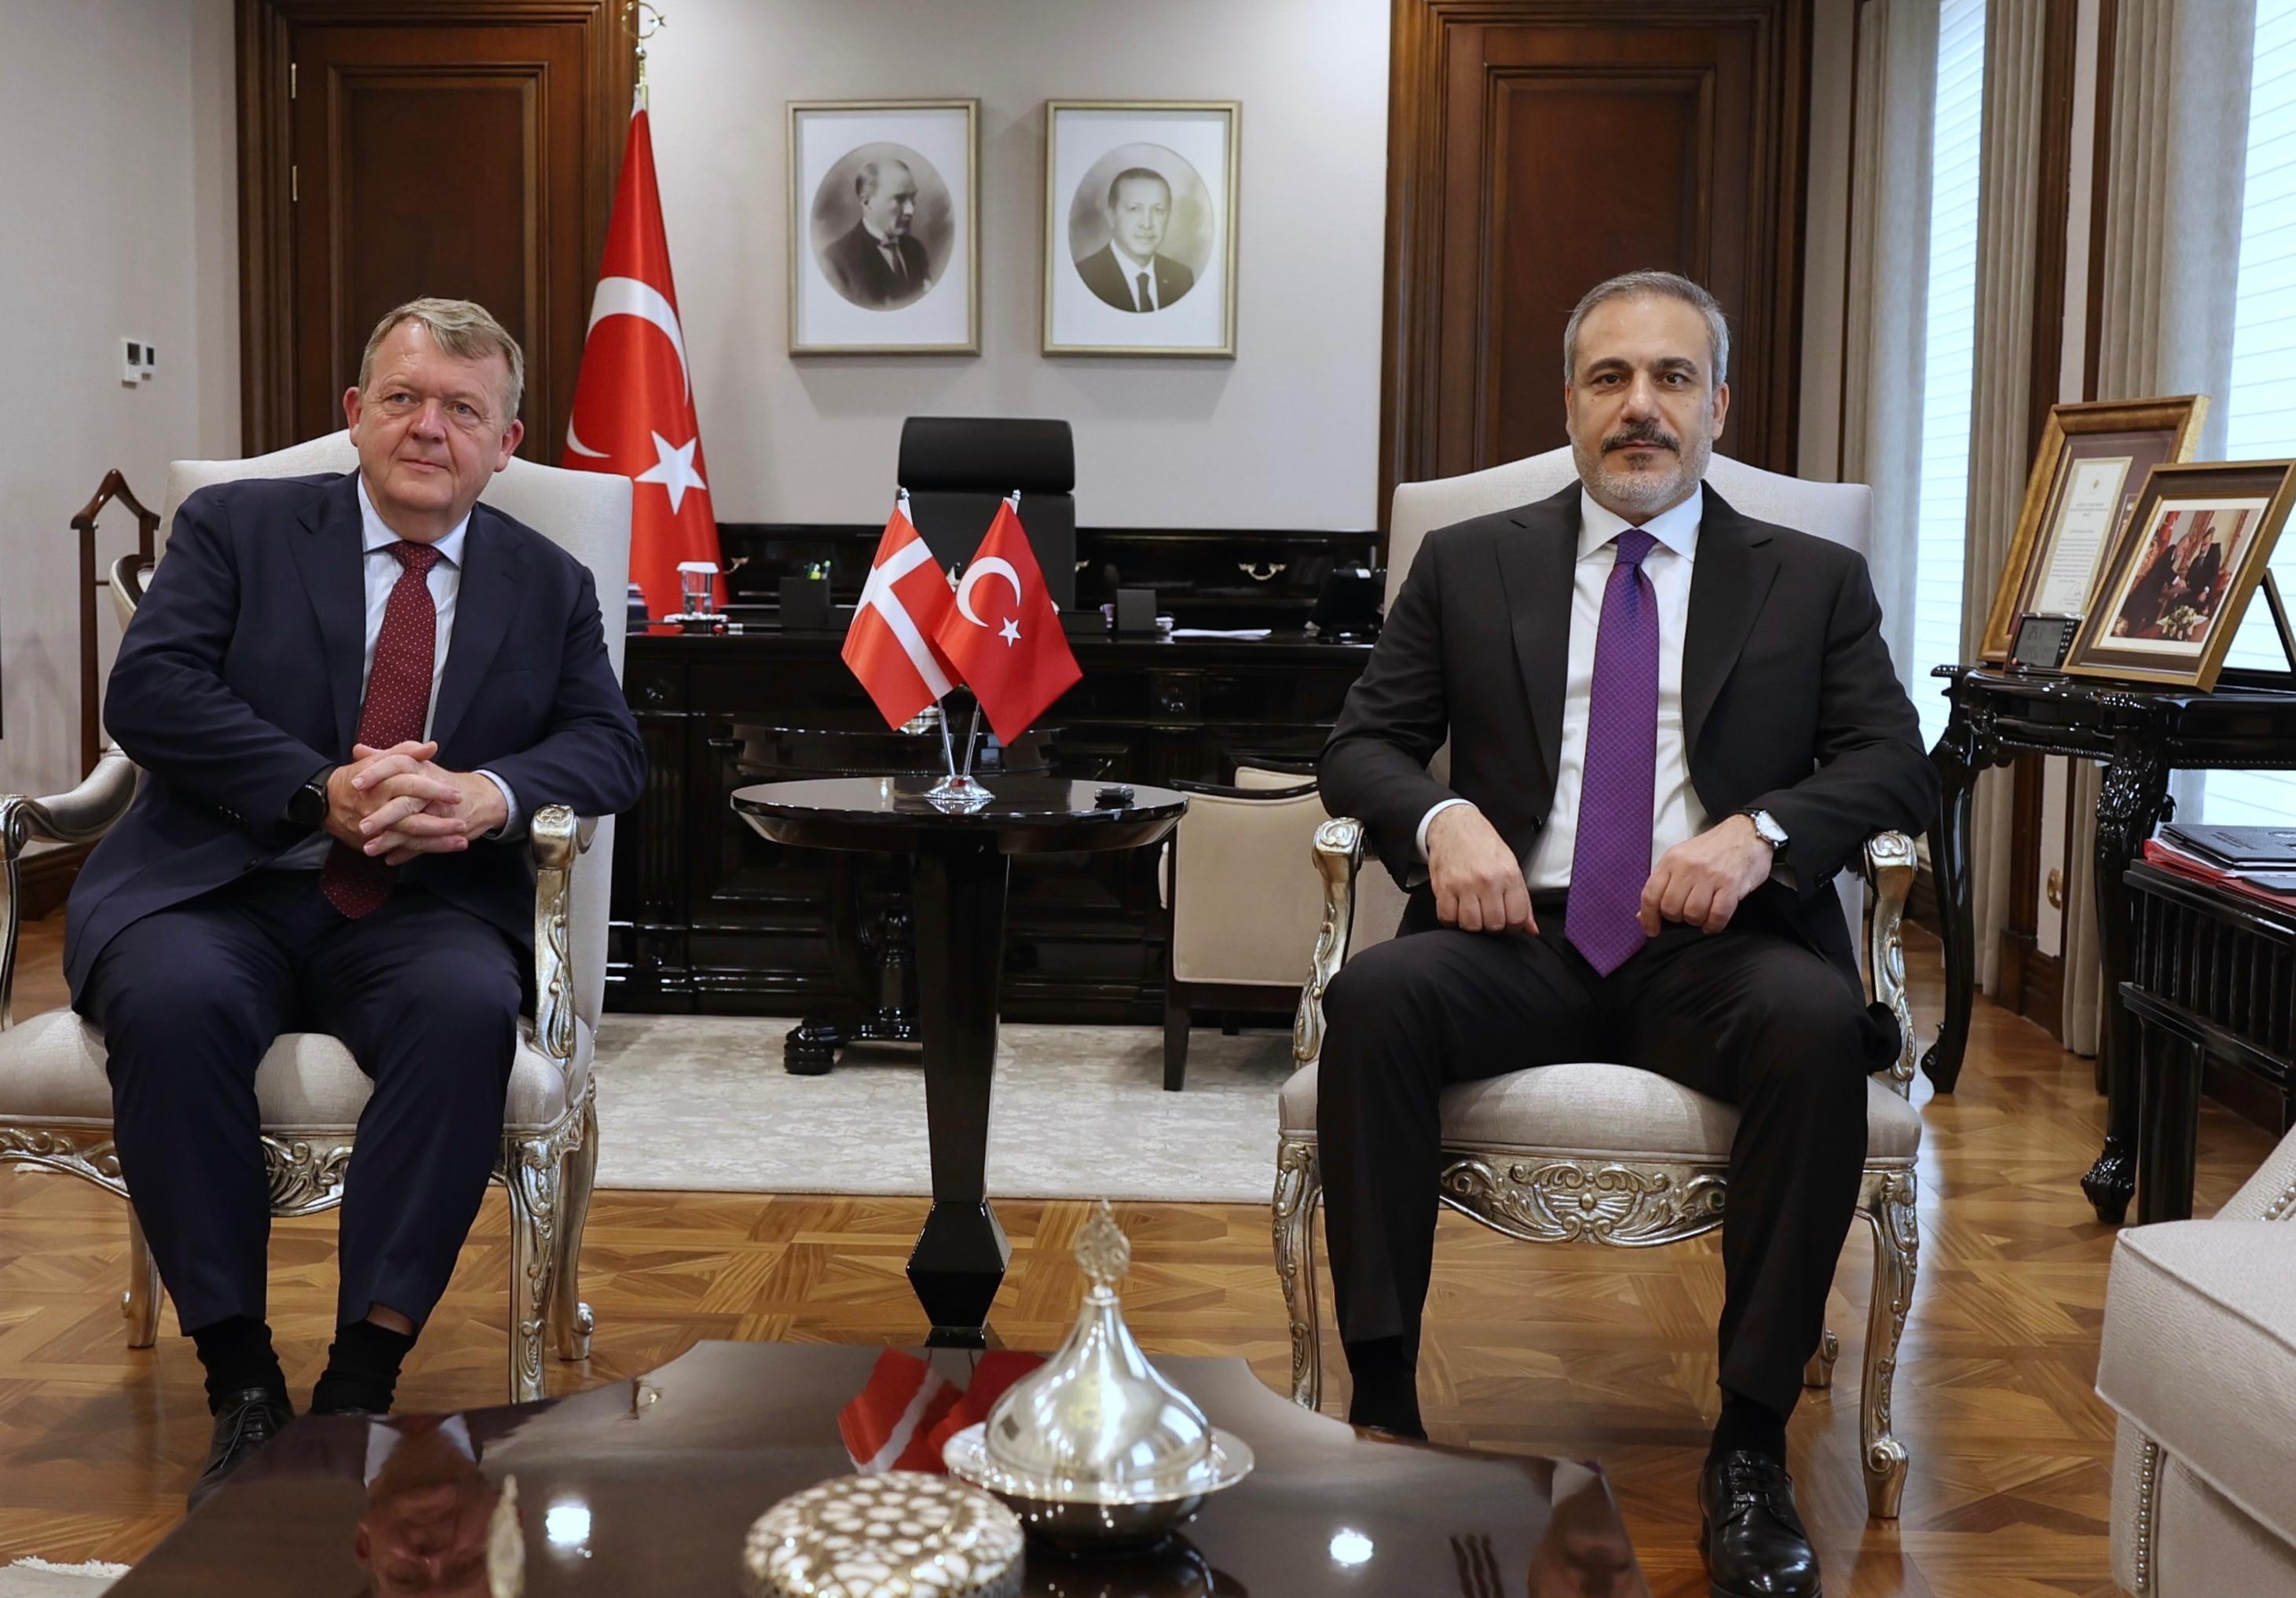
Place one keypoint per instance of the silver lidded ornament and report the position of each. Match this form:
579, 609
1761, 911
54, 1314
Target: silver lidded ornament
1094, 1447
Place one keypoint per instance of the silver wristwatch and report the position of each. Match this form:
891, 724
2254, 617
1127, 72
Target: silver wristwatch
1766, 828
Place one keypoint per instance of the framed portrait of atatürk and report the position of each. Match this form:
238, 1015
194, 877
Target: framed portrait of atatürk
884, 254
2179, 576
1140, 219
2093, 460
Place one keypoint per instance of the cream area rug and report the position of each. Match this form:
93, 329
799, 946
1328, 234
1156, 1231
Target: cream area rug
701, 1103
38, 1578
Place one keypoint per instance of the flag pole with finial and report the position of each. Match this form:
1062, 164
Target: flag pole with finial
644, 22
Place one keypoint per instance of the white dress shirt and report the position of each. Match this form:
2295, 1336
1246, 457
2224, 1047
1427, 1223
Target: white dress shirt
382, 571
1132, 270
1675, 813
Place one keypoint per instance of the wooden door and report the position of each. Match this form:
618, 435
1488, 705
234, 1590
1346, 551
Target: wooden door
392, 150
1538, 146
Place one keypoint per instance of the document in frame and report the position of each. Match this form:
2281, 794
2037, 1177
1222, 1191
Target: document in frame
2086, 518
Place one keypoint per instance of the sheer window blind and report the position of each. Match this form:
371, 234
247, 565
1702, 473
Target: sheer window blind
2260, 414
1943, 506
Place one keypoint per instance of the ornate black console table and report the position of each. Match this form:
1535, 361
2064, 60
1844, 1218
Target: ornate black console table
2142, 735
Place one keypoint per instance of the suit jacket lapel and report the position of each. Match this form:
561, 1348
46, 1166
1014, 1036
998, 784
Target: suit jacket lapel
1536, 574
486, 604
329, 556
1729, 581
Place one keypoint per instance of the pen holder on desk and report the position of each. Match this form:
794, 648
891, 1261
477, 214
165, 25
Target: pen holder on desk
805, 605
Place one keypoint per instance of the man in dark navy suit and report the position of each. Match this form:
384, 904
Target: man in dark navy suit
348, 694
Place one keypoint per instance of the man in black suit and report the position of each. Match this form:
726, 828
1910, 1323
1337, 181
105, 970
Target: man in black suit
881, 264
1670, 725
1130, 272
347, 693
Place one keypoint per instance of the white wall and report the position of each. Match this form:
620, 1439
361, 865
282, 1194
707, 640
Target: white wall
118, 212
1283, 436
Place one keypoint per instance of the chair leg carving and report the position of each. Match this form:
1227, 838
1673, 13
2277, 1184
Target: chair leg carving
1298, 1191
571, 1321
534, 1173
1818, 1375
141, 1302
1888, 1205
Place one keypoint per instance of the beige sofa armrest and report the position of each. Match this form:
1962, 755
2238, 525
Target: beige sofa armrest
1890, 864
558, 839
80, 816
1339, 855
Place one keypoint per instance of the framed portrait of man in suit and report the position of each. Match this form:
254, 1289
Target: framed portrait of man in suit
884, 243
1140, 220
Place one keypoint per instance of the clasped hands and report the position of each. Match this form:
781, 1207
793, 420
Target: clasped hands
397, 803
1479, 883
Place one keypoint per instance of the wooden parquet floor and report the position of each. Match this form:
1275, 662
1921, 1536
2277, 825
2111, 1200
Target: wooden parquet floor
1579, 1351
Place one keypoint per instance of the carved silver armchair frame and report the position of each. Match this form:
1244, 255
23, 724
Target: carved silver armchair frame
1626, 1203
546, 1171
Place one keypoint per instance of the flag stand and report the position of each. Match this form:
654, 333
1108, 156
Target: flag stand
958, 793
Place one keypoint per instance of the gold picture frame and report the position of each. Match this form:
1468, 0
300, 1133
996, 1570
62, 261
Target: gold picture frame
2179, 573
1100, 151
2093, 446
846, 297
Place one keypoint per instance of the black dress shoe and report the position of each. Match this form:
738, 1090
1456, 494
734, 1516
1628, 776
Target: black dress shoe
1749, 1531
249, 1419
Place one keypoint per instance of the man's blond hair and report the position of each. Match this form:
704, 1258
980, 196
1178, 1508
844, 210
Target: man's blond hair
461, 328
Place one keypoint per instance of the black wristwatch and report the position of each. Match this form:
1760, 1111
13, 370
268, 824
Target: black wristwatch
308, 807
1766, 828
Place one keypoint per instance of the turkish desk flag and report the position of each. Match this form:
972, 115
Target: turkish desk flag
890, 645
634, 404
1003, 632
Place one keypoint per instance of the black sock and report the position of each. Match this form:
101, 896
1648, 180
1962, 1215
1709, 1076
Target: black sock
1747, 1424
1386, 1387
237, 1355
362, 1368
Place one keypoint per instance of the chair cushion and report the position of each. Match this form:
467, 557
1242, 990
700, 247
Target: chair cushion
1615, 1112
2200, 1352
51, 1070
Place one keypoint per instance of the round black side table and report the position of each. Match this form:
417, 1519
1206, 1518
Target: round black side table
961, 866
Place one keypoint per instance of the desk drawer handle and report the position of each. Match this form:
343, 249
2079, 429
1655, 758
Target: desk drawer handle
1262, 571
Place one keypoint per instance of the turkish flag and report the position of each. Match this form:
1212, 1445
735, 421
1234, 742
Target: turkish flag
634, 404
1003, 632
889, 646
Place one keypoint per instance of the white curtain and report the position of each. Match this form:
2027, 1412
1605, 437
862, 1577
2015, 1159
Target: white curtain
2007, 234
1888, 294
2172, 200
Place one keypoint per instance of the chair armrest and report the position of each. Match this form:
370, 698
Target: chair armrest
1339, 855
1889, 865
558, 839
84, 813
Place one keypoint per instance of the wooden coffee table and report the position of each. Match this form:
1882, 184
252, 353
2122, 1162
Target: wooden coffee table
648, 1486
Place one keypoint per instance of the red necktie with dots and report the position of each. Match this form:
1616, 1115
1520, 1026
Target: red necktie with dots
397, 702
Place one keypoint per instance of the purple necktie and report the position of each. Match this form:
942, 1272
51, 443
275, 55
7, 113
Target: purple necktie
1611, 860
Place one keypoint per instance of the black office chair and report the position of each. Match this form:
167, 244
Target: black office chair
956, 468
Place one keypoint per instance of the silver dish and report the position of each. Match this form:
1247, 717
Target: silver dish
1072, 1512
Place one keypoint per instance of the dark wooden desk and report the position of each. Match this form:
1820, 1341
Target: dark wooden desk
623, 1496
708, 917
2142, 735
2212, 978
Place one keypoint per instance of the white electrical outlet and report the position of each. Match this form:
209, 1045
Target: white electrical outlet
139, 359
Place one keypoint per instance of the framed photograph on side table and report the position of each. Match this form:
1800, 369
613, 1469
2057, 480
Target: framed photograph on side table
2175, 581
1140, 203
2085, 476
884, 240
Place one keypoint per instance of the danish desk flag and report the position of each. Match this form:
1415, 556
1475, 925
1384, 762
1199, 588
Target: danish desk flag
890, 645
1003, 632
634, 403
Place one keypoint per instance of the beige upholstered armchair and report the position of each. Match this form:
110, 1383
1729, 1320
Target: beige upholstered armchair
2199, 1358
55, 1099
1241, 908
1594, 1151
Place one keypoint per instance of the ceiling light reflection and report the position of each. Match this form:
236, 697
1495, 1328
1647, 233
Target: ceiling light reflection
1350, 1548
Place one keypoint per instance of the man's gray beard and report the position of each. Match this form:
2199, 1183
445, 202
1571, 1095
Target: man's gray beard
1642, 493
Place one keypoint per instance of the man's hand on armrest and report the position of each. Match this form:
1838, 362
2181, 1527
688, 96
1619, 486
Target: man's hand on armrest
1479, 883
399, 803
